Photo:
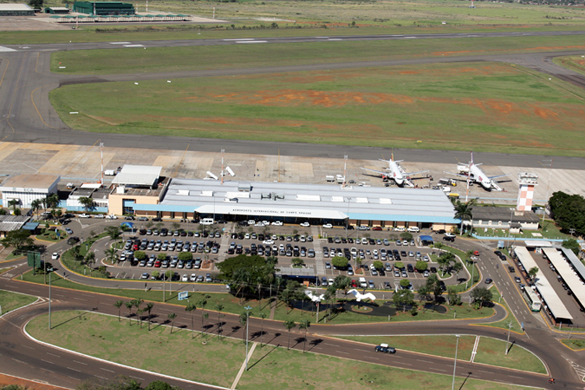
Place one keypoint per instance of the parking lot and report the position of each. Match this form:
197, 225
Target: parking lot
286, 242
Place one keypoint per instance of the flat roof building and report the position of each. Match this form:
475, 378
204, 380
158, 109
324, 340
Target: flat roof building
98, 8
13, 9
25, 188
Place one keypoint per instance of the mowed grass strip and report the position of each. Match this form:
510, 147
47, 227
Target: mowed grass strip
492, 351
575, 345
437, 345
510, 319
173, 59
217, 362
277, 368
496, 106
12, 301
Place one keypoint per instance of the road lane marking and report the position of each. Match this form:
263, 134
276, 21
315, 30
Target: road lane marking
79, 299
239, 39
73, 369
133, 45
26, 346
251, 41
49, 353
46, 361
2, 48
85, 364
101, 377
105, 369
135, 377
44, 369
347, 353
120, 43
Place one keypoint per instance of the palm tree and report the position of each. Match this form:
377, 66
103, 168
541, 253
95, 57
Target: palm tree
191, 308
13, 203
129, 305
35, 205
118, 305
149, 306
219, 308
305, 324
139, 313
243, 321
86, 202
110, 254
202, 302
90, 258
172, 317
289, 324
262, 316
51, 201
463, 211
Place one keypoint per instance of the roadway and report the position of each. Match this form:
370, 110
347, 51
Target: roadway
26, 114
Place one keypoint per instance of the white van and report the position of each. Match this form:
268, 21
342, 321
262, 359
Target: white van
207, 221
413, 229
363, 283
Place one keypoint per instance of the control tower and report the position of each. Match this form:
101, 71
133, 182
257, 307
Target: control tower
527, 181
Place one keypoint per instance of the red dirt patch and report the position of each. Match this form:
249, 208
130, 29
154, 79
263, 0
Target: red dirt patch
6, 380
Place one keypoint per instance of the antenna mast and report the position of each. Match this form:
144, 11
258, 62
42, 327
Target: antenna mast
222, 171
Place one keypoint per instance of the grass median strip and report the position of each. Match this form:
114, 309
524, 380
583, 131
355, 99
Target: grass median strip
575, 345
217, 362
510, 318
492, 351
12, 301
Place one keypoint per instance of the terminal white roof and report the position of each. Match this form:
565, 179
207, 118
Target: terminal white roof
567, 273
579, 267
309, 201
538, 244
548, 294
14, 7
137, 175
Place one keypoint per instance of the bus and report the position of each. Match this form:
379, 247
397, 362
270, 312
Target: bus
531, 299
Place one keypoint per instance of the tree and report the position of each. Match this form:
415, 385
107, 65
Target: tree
219, 308
421, 266
304, 325
202, 303
404, 283
139, 313
139, 255
435, 286
452, 296
378, 265
129, 306
51, 201
339, 262
18, 239
399, 265
172, 317
289, 324
110, 254
149, 306
162, 256
532, 272
186, 256
87, 203
342, 282
568, 211
406, 236
113, 232
297, 262
158, 385
17, 212
572, 244
423, 293
90, 258
403, 298
445, 260
13, 203
463, 211
243, 322
35, 205
190, 308
457, 267
118, 305
481, 296
119, 382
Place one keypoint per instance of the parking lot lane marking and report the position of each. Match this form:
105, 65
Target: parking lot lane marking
105, 369
52, 354
85, 364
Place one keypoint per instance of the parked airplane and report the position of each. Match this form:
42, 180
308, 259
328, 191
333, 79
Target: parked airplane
395, 172
474, 174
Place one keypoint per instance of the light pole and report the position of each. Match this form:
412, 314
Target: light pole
347, 220
248, 308
508, 340
455, 364
50, 299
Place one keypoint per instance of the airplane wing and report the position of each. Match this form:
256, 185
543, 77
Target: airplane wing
414, 173
495, 177
386, 174
457, 174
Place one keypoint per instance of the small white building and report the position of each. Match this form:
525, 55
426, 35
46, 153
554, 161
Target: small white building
28, 187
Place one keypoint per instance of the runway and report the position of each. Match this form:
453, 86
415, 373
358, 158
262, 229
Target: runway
27, 115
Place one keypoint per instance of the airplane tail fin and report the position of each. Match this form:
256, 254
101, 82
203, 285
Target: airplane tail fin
472, 157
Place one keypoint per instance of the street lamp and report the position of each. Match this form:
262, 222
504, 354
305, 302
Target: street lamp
455, 364
347, 220
508, 340
248, 308
50, 271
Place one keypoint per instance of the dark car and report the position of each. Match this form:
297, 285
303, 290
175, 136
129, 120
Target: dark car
488, 281
72, 240
511, 269
385, 348
410, 268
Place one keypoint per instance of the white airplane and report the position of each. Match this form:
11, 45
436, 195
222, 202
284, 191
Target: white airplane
395, 172
473, 173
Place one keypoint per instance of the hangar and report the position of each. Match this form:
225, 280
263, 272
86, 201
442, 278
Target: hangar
97, 8
16, 10
25, 188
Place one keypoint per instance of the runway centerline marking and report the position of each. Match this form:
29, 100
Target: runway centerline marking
133, 45
239, 39
251, 41
120, 43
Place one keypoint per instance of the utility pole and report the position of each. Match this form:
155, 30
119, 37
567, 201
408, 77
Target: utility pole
455, 363
49, 301
248, 308
508, 340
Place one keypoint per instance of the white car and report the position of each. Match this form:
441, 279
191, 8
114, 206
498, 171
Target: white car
55, 256
111, 216
328, 226
193, 277
305, 224
251, 222
267, 242
185, 278
84, 216
99, 216
413, 229
399, 229
277, 223
259, 224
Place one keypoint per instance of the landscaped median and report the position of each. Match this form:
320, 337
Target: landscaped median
11, 301
489, 351
510, 318
217, 361
575, 345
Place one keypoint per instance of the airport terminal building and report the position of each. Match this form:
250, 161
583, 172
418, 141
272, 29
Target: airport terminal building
287, 202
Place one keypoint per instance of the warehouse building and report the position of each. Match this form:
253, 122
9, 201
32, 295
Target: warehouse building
103, 8
26, 188
16, 10
57, 10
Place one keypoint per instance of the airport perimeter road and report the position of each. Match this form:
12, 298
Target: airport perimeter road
317, 340
26, 115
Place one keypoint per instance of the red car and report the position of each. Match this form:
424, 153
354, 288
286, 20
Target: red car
377, 228
476, 253
157, 264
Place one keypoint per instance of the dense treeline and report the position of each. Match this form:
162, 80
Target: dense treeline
568, 211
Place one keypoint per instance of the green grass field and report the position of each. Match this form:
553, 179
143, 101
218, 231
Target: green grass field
576, 63
504, 324
445, 106
11, 301
491, 351
177, 354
